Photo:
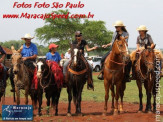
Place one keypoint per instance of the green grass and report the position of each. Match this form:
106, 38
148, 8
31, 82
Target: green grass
130, 95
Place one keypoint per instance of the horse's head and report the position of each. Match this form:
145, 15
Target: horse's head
16, 59
75, 55
41, 68
120, 48
148, 57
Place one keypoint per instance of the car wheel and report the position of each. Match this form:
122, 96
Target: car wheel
97, 68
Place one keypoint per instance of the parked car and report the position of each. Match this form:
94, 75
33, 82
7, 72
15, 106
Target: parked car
95, 62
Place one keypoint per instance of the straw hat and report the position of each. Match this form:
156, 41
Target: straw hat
119, 23
142, 28
27, 36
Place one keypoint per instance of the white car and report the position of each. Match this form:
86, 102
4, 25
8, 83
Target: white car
95, 62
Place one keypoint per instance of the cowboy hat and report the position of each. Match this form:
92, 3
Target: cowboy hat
53, 46
27, 36
142, 28
119, 23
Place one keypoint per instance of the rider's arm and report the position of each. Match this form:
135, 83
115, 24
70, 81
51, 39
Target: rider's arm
90, 49
32, 57
151, 41
152, 45
138, 46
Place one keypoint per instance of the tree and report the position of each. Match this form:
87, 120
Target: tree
61, 31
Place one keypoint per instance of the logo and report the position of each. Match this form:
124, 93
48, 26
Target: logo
17, 112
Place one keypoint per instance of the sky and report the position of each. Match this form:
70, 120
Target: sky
132, 12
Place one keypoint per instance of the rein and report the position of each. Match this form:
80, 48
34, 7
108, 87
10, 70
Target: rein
140, 74
49, 73
78, 72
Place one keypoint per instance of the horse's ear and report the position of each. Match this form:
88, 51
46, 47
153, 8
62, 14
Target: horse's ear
20, 50
13, 49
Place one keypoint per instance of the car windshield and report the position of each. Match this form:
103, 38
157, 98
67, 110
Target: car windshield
96, 59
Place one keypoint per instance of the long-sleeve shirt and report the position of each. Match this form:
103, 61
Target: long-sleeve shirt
124, 34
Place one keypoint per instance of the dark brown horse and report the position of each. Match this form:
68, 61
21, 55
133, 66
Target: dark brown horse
114, 73
76, 78
47, 84
144, 69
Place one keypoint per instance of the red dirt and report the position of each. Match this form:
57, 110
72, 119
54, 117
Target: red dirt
92, 111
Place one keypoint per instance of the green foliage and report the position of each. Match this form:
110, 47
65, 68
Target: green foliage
61, 31
16, 43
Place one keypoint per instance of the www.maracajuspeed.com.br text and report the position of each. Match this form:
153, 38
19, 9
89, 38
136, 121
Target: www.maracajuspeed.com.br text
44, 16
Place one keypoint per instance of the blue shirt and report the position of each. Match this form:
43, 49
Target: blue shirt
29, 51
56, 57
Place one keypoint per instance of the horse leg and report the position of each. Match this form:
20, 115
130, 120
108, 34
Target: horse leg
123, 87
154, 100
26, 95
69, 101
117, 98
56, 102
17, 95
139, 84
47, 103
40, 102
106, 85
79, 101
113, 96
148, 93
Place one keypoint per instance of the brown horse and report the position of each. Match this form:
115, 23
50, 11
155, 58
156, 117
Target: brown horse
114, 73
144, 72
77, 71
22, 77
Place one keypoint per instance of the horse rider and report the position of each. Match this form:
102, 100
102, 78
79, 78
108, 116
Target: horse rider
3, 53
53, 59
120, 29
53, 55
81, 43
143, 39
29, 54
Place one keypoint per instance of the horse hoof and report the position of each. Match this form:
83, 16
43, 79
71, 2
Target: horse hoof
121, 112
115, 112
149, 112
68, 114
140, 111
104, 114
56, 114
39, 114
79, 114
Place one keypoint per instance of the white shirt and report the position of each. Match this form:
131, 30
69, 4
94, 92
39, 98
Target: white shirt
67, 55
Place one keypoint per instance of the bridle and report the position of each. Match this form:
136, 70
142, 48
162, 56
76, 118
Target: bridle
140, 74
121, 51
78, 72
49, 73
146, 62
